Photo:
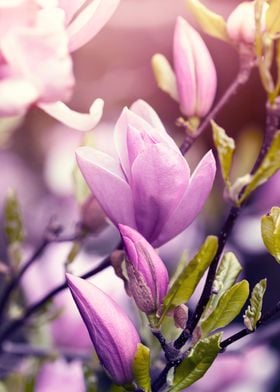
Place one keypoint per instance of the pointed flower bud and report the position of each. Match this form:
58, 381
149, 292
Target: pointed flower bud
241, 26
194, 83
147, 274
112, 333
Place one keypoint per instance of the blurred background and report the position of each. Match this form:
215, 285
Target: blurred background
37, 157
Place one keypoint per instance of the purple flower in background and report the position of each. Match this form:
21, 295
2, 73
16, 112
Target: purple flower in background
147, 274
193, 83
61, 376
36, 40
149, 186
113, 334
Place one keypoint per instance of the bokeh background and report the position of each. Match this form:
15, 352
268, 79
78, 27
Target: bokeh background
37, 158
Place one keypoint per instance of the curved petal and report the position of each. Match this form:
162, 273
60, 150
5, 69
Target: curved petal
104, 177
160, 177
200, 185
73, 119
89, 22
145, 111
70, 8
13, 104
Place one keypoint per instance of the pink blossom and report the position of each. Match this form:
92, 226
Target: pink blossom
194, 82
36, 39
149, 186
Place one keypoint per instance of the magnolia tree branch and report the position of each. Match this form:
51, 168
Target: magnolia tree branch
244, 332
246, 66
50, 237
13, 326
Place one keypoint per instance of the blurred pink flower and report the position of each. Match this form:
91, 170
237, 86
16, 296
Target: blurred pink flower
149, 187
36, 39
194, 83
60, 376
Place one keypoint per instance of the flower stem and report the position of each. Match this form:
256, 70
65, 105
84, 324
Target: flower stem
246, 66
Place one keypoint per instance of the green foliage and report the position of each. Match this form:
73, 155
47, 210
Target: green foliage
268, 167
273, 17
185, 284
226, 275
228, 307
225, 146
253, 312
197, 363
270, 227
141, 368
210, 22
13, 227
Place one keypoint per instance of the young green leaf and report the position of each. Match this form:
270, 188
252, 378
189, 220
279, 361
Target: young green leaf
225, 146
197, 363
270, 226
229, 306
268, 167
273, 17
210, 22
185, 284
164, 75
141, 368
253, 312
13, 228
227, 273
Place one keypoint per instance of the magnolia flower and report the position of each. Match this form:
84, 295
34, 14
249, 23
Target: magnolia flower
148, 187
194, 82
241, 25
59, 376
113, 334
36, 39
147, 274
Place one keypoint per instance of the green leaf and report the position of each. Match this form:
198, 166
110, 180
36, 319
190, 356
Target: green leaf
229, 306
268, 167
13, 228
226, 275
164, 75
141, 368
270, 227
225, 146
210, 22
273, 17
253, 312
185, 284
197, 363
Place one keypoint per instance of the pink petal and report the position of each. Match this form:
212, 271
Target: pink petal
16, 95
195, 70
70, 8
89, 22
73, 119
40, 55
160, 177
113, 334
145, 111
191, 204
104, 176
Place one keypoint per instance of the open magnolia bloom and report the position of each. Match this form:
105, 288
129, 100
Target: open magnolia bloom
149, 187
36, 40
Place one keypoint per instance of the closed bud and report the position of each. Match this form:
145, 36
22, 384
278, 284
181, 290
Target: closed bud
92, 216
180, 316
147, 274
113, 334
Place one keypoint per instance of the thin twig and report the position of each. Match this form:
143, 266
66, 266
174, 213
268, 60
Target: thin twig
246, 66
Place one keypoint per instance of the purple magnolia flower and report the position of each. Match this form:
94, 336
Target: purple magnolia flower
194, 82
112, 333
148, 187
147, 274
